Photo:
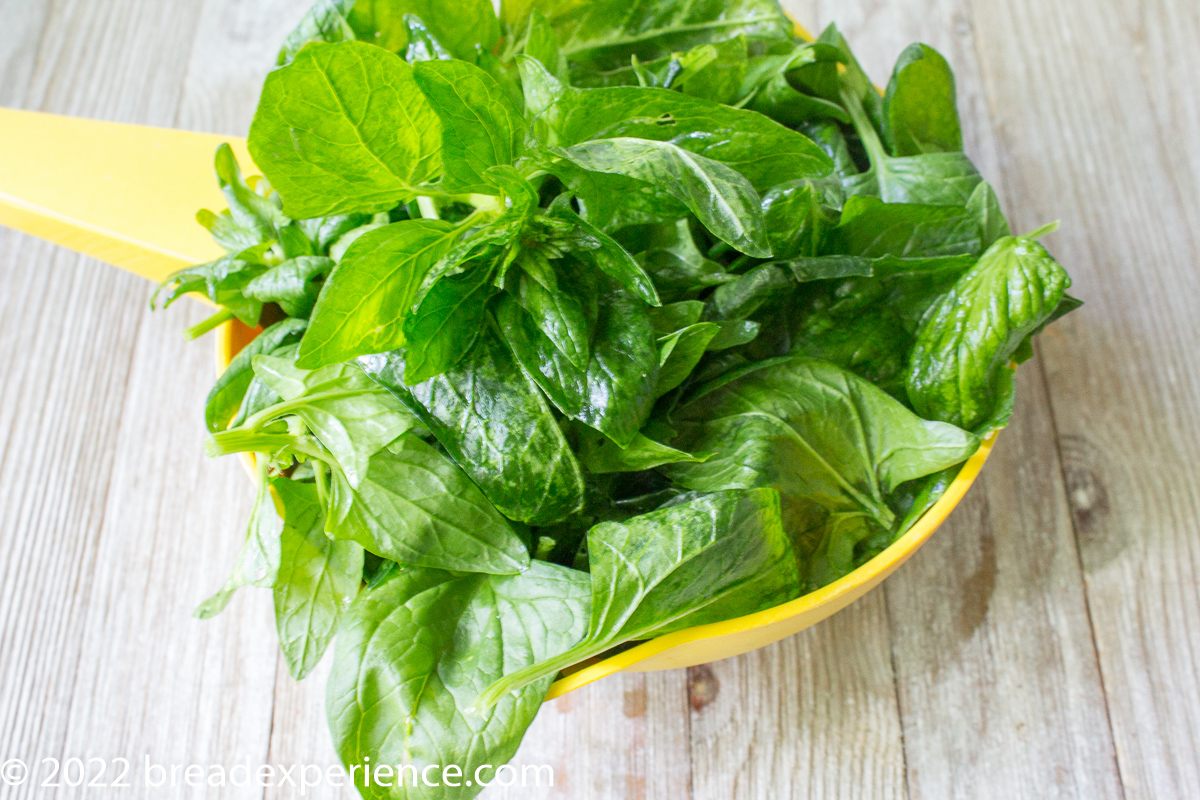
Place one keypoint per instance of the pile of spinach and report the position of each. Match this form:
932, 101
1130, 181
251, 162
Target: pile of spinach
583, 324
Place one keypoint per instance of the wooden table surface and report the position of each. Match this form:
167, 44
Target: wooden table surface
1044, 644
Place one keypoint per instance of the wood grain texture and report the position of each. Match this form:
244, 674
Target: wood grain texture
1044, 644
1102, 148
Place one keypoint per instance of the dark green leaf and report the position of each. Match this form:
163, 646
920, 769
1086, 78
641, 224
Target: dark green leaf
614, 394
591, 245
292, 284
415, 506
681, 352
985, 207
722, 199
814, 432
600, 455
966, 340
605, 34
442, 329
716, 557
497, 427
870, 227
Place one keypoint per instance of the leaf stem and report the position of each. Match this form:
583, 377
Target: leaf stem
203, 327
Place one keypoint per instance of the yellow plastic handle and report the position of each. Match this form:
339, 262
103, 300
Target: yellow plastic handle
125, 194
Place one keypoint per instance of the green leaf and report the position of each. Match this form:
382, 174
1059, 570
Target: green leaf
318, 579
422, 44
226, 395
920, 114
344, 128
813, 432
352, 416
763, 151
541, 43
292, 284
681, 352
416, 651
798, 215
872, 228
442, 329
495, 425
984, 205
567, 316
767, 90
258, 562
460, 27
601, 456
716, 557
931, 178
966, 340
614, 394
670, 256
766, 283
605, 34
415, 506
591, 245
369, 295
248, 209
722, 199
676, 316
481, 127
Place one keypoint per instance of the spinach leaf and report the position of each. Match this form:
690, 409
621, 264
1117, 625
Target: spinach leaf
721, 198
600, 455
812, 431
768, 91
798, 215
352, 416
959, 366
930, 178
317, 580
442, 329
481, 128
872, 228
370, 293
920, 114
716, 557
676, 316
496, 425
294, 284
670, 255
607, 33
418, 648
227, 394
593, 246
417, 507
258, 562
681, 351
382, 22
422, 44
345, 128
763, 151
541, 44
614, 393
984, 205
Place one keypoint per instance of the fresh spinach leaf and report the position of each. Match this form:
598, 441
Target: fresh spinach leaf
959, 366
318, 578
721, 198
920, 114
368, 296
294, 284
812, 431
344, 128
496, 426
481, 127
716, 557
614, 393
418, 648
417, 507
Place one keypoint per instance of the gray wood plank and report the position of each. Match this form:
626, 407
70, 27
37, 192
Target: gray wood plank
117, 526
1081, 122
812, 716
992, 706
